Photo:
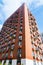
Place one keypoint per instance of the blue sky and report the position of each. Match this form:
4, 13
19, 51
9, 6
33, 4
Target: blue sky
7, 7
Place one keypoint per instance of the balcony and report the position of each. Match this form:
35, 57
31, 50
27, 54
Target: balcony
11, 53
3, 55
13, 40
19, 55
36, 48
14, 35
20, 37
33, 54
12, 47
20, 32
20, 43
36, 55
21, 21
19, 52
16, 20
6, 55
3, 50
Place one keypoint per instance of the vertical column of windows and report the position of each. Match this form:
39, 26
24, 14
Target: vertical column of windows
20, 39
35, 37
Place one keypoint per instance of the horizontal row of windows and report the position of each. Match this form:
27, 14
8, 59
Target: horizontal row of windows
13, 21
6, 49
12, 38
5, 55
12, 35
37, 55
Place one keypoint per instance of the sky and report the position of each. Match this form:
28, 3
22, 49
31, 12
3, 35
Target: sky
7, 7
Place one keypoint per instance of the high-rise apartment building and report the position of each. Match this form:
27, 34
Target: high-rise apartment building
20, 41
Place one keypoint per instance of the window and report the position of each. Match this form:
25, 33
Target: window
13, 40
6, 56
7, 48
31, 18
36, 55
19, 43
32, 42
14, 35
16, 16
1, 42
12, 47
36, 28
32, 46
3, 49
11, 53
19, 52
15, 27
21, 14
36, 48
11, 34
20, 32
34, 62
21, 27
35, 38
33, 54
21, 21
30, 23
9, 42
20, 37
34, 23
6, 40
19, 55
41, 57
15, 21
15, 31
3, 55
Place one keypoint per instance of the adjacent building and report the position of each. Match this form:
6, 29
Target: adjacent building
20, 41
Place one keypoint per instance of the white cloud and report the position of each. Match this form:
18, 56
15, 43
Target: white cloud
37, 3
11, 5
40, 3
1, 16
0, 26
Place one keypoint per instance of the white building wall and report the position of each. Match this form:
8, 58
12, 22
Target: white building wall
24, 62
30, 62
7, 62
14, 62
39, 63
2, 62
